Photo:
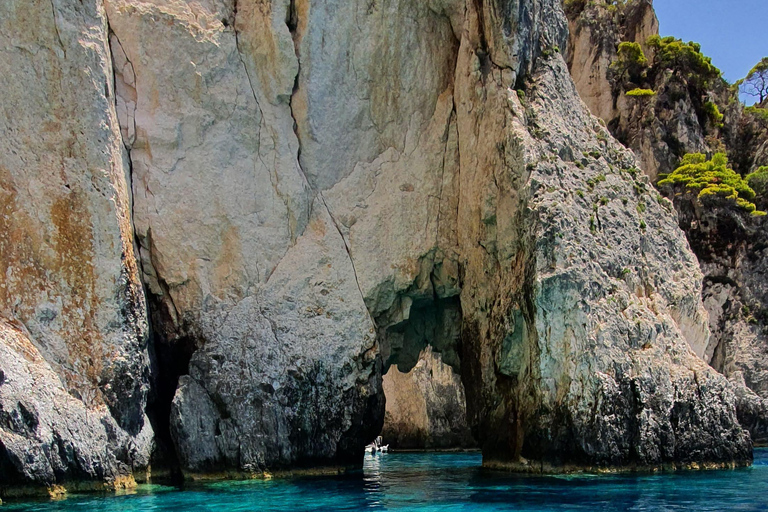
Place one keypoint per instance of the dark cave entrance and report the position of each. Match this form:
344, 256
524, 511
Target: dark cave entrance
426, 404
169, 354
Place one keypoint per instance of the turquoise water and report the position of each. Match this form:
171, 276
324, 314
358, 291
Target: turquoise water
447, 482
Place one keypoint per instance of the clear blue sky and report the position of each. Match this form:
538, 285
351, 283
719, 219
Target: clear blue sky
733, 32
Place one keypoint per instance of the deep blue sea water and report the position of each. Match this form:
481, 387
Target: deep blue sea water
447, 482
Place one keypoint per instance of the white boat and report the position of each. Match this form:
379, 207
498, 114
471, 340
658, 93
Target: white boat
376, 446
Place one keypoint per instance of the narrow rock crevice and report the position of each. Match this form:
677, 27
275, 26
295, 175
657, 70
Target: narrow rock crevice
56, 27
168, 357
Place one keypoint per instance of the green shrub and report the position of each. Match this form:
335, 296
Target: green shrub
592, 182
714, 113
711, 178
758, 181
630, 62
758, 113
641, 93
684, 59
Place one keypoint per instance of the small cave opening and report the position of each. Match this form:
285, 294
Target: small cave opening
425, 400
169, 354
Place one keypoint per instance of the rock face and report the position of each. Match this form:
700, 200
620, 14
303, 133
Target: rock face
323, 190
729, 244
69, 275
659, 129
594, 34
50, 438
426, 407
580, 311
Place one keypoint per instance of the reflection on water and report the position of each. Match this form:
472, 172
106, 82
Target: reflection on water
447, 482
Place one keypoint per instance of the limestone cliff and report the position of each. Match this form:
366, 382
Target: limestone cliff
661, 129
320, 190
74, 375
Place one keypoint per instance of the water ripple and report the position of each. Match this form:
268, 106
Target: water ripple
446, 482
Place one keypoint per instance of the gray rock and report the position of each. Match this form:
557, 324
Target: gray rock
49, 439
580, 298
317, 187
69, 276
731, 246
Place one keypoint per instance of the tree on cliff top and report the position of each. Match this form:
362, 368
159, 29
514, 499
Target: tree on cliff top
685, 60
630, 63
756, 82
712, 178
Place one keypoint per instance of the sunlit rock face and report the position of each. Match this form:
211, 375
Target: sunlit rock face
75, 372
324, 189
426, 406
729, 244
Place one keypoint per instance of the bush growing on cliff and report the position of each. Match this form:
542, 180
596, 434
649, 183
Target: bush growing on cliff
758, 181
630, 62
712, 178
641, 93
710, 108
684, 59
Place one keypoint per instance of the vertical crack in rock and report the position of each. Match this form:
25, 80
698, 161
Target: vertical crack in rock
124, 81
168, 360
125, 134
56, 27
271, 169
292, 23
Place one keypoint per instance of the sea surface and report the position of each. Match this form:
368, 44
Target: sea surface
446, 482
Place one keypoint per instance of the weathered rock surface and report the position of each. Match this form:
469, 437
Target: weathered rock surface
659, 129
243, 259
426, 407
731, 247
321, 190
594, 34
68, 270
578, 293
50, 439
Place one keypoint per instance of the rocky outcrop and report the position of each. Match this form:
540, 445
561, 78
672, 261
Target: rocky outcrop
320, 191
426, 406
75, 366
661, 129
731, 247
52, 441
577, 328
595, 31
